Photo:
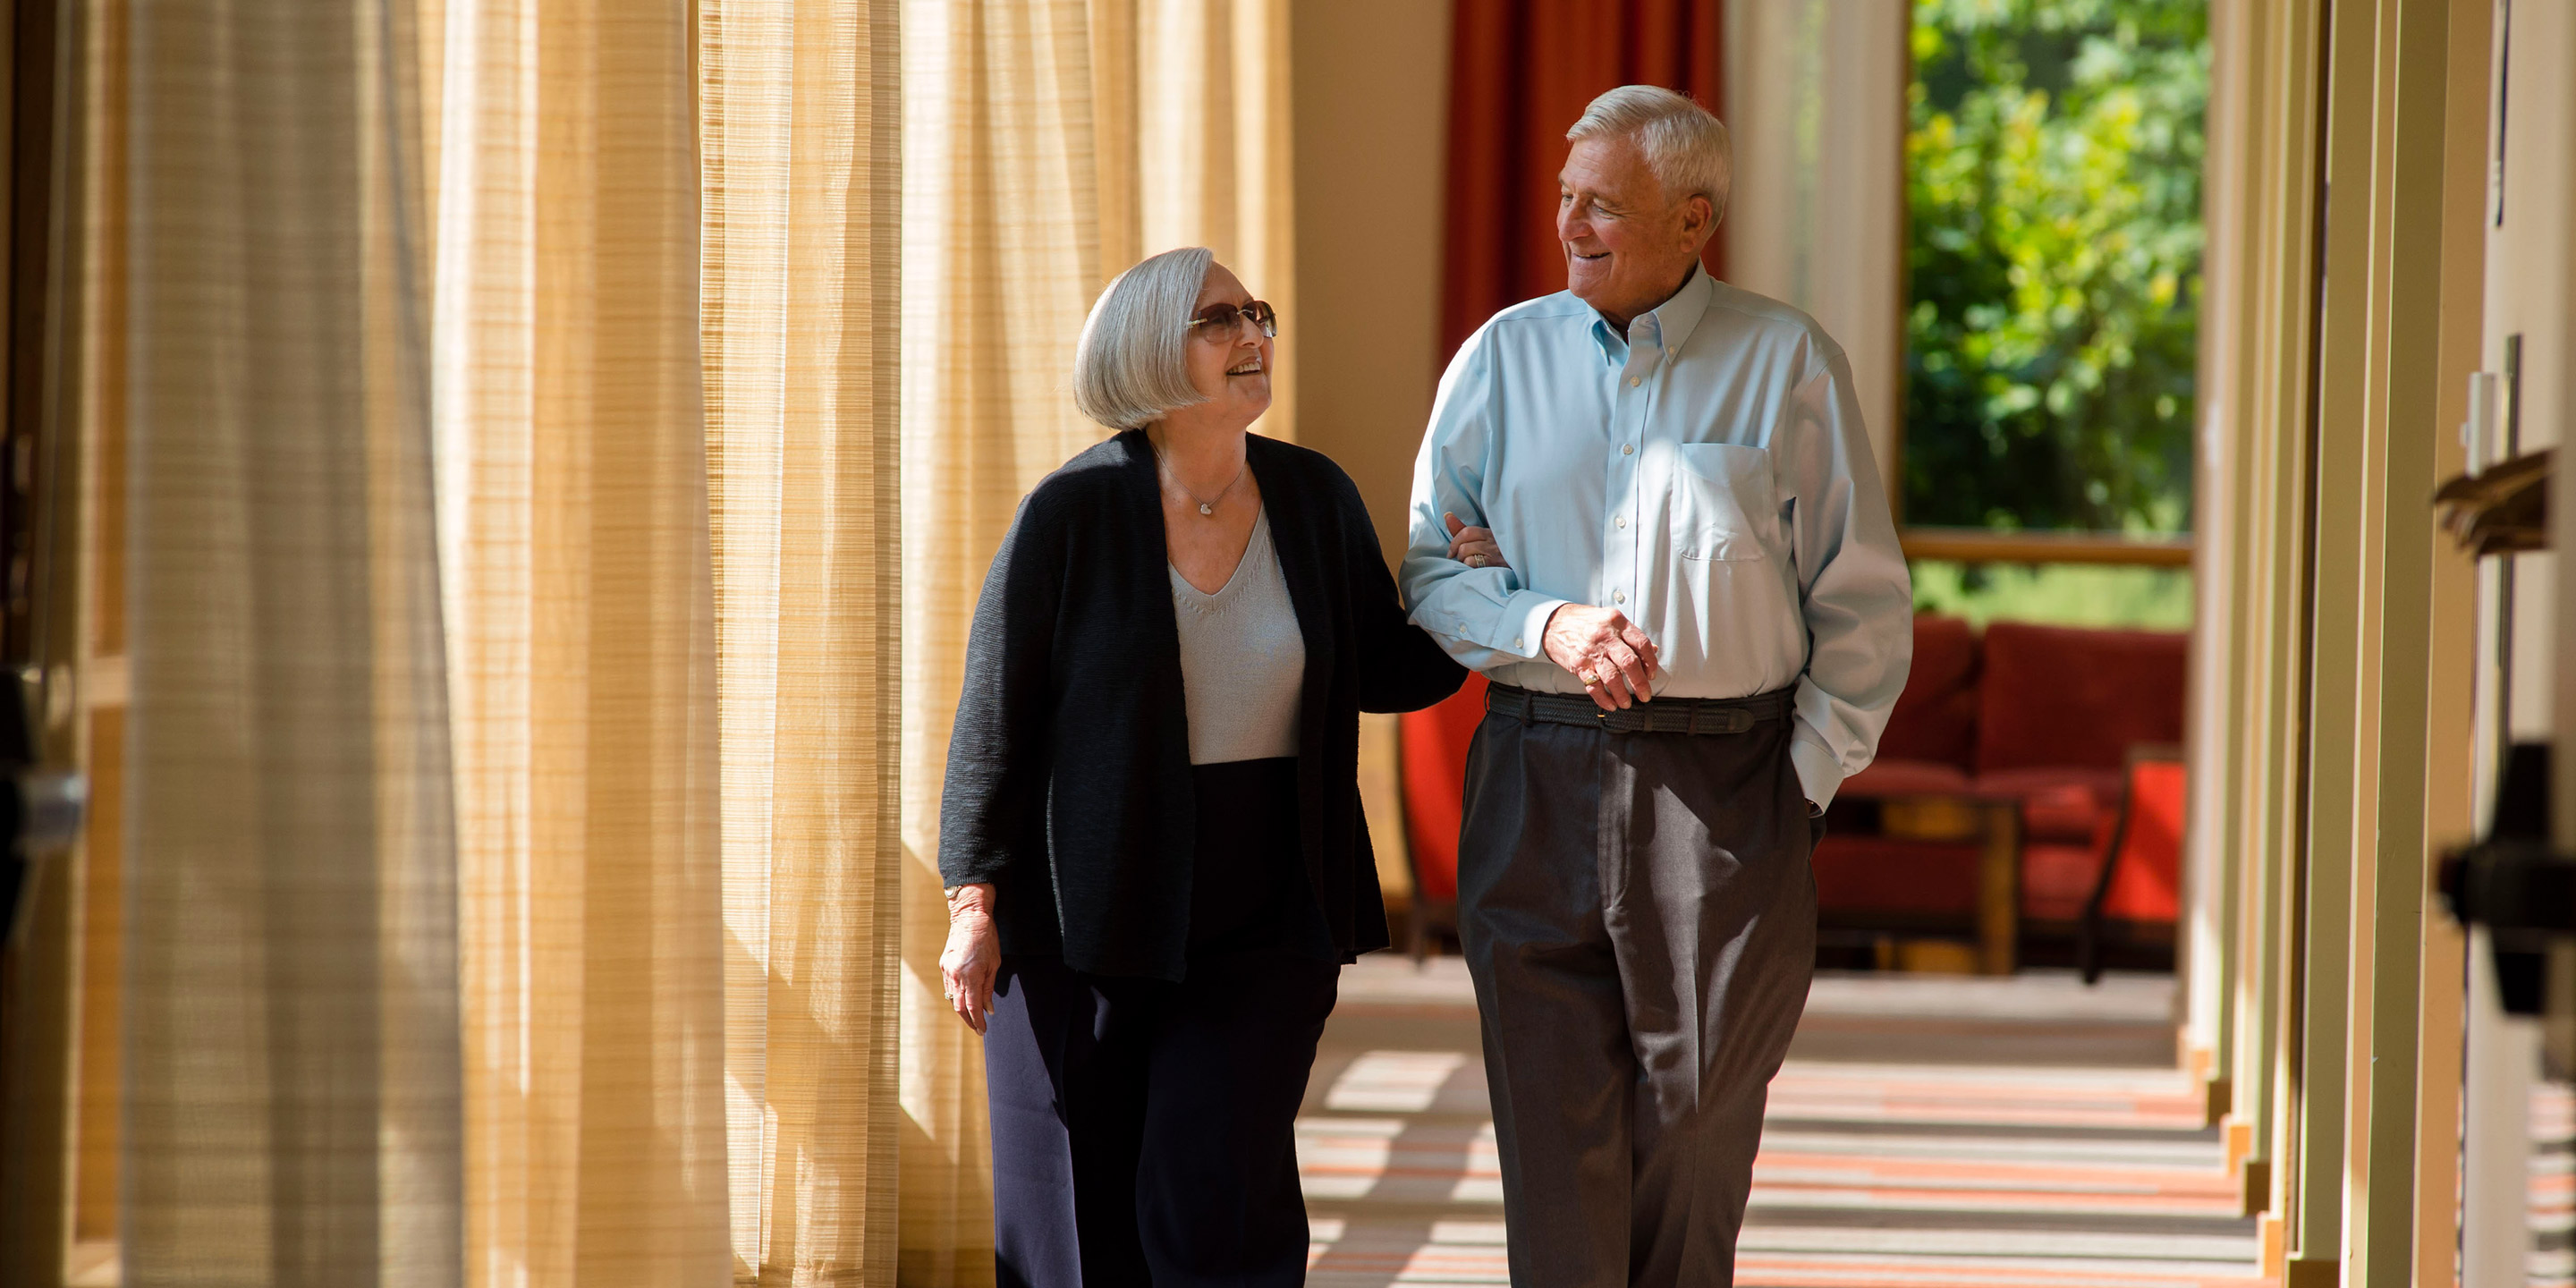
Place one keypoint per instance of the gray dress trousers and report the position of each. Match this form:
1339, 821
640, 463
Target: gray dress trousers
1640, 920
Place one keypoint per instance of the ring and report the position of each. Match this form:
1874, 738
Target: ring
1475, 561
947, 994
1586, 677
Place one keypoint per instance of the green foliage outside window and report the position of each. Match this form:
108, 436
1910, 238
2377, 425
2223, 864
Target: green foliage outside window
2053, 174
2060, 594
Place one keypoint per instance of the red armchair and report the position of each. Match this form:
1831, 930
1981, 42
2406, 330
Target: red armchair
2045, 720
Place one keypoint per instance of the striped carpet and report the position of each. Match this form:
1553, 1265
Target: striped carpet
1931, 1131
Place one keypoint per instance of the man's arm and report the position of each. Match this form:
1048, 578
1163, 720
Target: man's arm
1857, 597
1482, 616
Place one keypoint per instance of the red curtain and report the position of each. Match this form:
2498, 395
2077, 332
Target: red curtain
1521, 72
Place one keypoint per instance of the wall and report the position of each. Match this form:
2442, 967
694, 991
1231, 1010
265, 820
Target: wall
2533, 118
1369, 97
2527, 267
1370, 94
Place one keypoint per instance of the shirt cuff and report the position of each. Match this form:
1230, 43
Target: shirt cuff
1820, 771
1523, 623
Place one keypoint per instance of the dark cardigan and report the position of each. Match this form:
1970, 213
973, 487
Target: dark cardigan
1069, 783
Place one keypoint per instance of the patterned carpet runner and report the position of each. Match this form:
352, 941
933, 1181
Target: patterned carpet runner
1931, 1131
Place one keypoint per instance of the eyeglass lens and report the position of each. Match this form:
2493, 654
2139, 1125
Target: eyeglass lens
1225, 317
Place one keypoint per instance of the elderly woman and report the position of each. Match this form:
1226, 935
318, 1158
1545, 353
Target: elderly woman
1152, 830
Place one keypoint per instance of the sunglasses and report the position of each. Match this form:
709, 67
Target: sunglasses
1226, 317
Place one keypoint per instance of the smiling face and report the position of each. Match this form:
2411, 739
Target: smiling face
1627, 247
1231, 366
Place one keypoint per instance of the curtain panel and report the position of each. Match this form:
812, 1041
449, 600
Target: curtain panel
1001, 257
1191, 116
1815, 101
1521, 72
1048, 144
800, 161
579, 613
291, 1099
501, 397
468, 546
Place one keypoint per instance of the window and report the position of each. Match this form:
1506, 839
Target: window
2053, 159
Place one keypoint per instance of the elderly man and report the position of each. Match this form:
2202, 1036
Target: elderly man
1696, 618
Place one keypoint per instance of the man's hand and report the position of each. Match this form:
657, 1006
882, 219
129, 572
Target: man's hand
1603, 649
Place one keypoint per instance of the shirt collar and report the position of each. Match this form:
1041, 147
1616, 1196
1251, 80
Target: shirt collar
1663, 329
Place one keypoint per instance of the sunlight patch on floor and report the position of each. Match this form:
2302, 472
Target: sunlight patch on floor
1938, 1170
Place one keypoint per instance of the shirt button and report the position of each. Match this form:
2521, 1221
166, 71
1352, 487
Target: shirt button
1634, 381
1627, 449
1618, 597
1621, 520
1516, 642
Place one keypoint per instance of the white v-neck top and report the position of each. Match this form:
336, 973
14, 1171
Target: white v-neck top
1243, 661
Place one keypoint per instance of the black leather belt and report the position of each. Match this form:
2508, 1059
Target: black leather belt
1663, 715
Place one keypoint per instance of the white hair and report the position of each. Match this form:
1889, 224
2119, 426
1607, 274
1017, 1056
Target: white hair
1685, 144
1132, 365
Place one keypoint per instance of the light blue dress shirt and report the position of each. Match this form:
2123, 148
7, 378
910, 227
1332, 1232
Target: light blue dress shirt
1707, 474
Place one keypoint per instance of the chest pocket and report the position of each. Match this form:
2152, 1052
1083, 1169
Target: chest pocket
1724, 502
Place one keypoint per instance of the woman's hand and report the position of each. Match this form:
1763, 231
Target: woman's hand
974, 952
1471, 545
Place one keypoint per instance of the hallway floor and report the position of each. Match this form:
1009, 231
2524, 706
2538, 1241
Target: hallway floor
1927, 1130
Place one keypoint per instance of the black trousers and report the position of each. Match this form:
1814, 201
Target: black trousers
1144, 1131
1639, 918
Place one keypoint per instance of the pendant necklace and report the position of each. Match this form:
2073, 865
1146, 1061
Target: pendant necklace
1207, 505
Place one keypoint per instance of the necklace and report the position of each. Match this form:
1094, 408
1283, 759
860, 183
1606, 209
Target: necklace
1207, 505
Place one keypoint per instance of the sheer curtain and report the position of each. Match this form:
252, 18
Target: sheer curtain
799, 110
1815, 95
1001, 257
580, 626
509, 388
1047, 145
468, 547
291, 1102
1191, 115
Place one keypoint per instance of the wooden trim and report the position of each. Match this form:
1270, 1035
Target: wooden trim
2324, 1271
2453, 734
1968, 545
1999, 889
1996, 827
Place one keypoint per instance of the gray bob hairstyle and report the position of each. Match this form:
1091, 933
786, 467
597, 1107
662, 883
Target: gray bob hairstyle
1132, 366
1685, 144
